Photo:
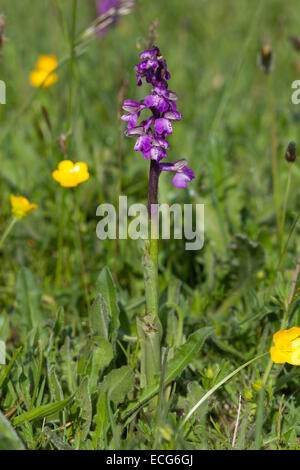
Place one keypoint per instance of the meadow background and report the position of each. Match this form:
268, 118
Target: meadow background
233, 284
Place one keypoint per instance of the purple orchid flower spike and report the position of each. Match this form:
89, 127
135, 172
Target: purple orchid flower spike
109, 12
103, 6
152, 133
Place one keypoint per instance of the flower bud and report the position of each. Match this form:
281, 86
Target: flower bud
266, 58
248, 395
257, 386
295, 41
291, 152
210, 372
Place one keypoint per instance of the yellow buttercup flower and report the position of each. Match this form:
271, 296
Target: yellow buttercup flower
41, 75
287, 346
71, 174
21, 206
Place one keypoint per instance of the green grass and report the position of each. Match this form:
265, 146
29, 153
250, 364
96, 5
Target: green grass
72, 373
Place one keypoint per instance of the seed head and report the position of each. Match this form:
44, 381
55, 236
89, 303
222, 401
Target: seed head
295, 41
291, 152
266, 58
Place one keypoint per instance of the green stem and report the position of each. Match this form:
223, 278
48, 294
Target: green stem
259, 420
38, 375
71, 69
284, 251
149, 326
267, 373
293, 286
274, 159
152, 282
287, 192
286, 197
7, 231
60, 241
284, 322
215, 388
260, 406
80, 249
63, 19
120, 154
180, 322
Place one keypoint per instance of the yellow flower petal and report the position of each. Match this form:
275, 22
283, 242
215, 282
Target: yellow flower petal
42, 78
41, 75
287, 346
65, 179
81, 166
295, 358
277, 356
295, 345
47, 63
21, 206
50, 80
293, 333
66, 165
69, 175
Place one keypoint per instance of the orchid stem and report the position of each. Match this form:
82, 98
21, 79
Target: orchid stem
149, 325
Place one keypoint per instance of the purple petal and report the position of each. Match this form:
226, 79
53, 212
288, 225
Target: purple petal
172, 95
163, 126
160, 142
143, 143
161, 91
102, 7
147, 123
157, 102
131, 106
173, 115
134, 131
147, 64
177, 166
157, 153
173, 106
150, 53
184, 174
160, 82
146, 154
132, 119
180, 180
